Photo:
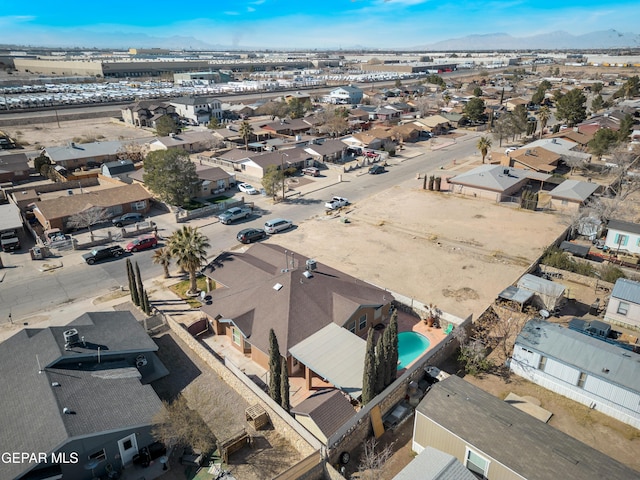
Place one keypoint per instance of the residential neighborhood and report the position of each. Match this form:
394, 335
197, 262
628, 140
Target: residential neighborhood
379, 267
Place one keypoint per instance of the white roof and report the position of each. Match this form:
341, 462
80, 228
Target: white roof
10, 217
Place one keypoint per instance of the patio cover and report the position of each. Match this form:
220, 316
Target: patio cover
515, 294
550, 293
335, 354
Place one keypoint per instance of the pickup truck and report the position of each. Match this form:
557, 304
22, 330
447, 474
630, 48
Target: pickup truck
336, 202
233, 214
9, 241
102, 253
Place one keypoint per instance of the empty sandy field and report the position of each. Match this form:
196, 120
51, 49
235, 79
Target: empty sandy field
458, 253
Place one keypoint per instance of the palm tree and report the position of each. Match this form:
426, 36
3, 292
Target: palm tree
162, 256
188, 246
544, 114
245, 131
484, 144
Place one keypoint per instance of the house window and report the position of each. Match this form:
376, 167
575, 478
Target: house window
582, 379
362, 324
139, 205
236, 336
623, 308
100, 455
352, 327
621, 240
543, 362
477, 464
565, 202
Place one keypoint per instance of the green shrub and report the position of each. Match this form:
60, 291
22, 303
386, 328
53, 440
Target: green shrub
611, 273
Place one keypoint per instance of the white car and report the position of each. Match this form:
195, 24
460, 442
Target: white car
277, 225
336, 202
248, 189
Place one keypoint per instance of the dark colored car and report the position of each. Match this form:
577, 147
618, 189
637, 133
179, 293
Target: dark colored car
376, 169
102, 253
127, 219
142, 243
249, 235
9, 241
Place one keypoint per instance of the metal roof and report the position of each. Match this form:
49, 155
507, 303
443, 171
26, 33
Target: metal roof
516, 294
336, 354
581, 351
496, 177
432, 464
83, 150
540, 285
626, 289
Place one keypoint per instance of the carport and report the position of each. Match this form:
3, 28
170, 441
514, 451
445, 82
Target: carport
335, 354
516, 295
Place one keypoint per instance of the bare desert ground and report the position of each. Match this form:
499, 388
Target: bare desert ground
458, 253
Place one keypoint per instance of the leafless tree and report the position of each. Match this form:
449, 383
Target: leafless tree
624, 184
334, 122
371, 461
573, 163
132, 151
87, 218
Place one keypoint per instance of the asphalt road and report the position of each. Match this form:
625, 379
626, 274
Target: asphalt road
25, 291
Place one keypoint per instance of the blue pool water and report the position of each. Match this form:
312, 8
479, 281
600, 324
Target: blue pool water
410, 346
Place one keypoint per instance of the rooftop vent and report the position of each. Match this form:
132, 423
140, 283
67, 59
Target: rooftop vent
55, 384
277, 286
307, 274
66, 411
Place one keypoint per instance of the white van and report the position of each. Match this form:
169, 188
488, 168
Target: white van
277, 225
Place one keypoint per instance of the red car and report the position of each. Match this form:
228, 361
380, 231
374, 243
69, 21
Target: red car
142, 243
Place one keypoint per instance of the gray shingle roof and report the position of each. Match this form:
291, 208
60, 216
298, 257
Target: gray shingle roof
432, 464
583, 352
13, 162
492, 177
119, 166
529, 447
623, 226
78, 151
574, 190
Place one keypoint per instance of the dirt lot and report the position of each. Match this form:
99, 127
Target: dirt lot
35, 136
456, 252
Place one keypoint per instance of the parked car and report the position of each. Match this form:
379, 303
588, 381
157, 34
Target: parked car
248, 189
336, 202
509, 150
10, 241
142, 243
234, 213
102, 253
127, 219
376, 169
312, 171
371, 154
249, 235
277, 225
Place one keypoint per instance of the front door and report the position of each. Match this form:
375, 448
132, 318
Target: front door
128, 448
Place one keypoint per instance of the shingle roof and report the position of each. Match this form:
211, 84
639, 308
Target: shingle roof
623, 226
212, 174
329, 410
186, 138
71, 204
625, 289
574, 190
78, 151
104, 397
494, 177
524, 444
119, 166
329, 147
14, 162
297, 310
432, 464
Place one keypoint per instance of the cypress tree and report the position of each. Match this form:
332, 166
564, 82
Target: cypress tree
380, 366
275, 369
393, 347
369, 372
133, 289
145, 303
140, 287
284, 385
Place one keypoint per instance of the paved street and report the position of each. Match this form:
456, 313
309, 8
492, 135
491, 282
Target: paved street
25, 291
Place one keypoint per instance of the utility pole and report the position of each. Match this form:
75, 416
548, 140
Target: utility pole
282, 155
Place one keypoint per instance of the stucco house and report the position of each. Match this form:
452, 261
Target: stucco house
495, 440
319, 315
581, 367
80, 395
54, 213
197, 110
572, 194
76, 155
327, 151
623, 236
348, 94
624, 304
145, 113
192, 142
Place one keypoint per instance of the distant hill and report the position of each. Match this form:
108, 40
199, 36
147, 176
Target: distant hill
559, 40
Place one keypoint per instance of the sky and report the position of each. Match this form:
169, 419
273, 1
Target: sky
301, 24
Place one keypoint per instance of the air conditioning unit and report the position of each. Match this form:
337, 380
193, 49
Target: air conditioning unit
311, 264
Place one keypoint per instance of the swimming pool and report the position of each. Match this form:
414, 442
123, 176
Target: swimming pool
410, 346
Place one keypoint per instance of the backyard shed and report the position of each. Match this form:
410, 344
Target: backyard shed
547, 294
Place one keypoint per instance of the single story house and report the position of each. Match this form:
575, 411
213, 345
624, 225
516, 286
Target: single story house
435, 124
215, 180
623, 236
10, 218
75, 155
512, 103
363, 139
495, 182
287, 127
537, 159
566, 148
572, 194
14, 167
257, 165
495, 440
145, 113
327, 151
583, 368
191, 142
319, 315
624, 304
54, 213
78, 397
324, 412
